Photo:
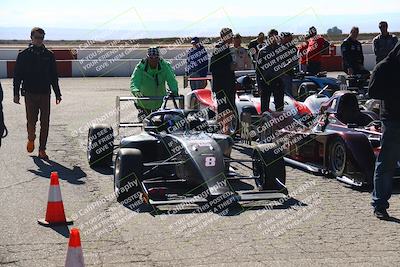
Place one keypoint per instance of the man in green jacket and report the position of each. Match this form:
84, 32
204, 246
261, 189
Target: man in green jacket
148, 80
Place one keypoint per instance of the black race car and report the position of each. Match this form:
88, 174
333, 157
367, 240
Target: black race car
177, 158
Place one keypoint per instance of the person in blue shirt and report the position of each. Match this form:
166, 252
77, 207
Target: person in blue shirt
197, 64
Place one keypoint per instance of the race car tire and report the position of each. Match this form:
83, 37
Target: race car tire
304, 90
100, 145
337, 157
194, 103
269, 165
128, 169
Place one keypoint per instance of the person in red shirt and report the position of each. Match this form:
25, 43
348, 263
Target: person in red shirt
302, 53
316, 46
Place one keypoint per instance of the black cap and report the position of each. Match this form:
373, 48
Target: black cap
195, 40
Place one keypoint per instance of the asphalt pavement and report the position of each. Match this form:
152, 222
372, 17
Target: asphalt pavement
327, 223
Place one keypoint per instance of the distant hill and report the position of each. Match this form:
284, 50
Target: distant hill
364, 38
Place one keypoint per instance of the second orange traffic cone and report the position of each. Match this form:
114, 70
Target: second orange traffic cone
74, 254
55, 208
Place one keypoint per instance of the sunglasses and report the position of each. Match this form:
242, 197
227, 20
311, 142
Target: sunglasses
41, 37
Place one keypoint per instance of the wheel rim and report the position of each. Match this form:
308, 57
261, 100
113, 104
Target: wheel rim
338, 158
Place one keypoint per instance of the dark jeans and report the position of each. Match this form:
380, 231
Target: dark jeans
386, 164
287, 80
225, 101
35, 104
314, 67
2, 125
276, 88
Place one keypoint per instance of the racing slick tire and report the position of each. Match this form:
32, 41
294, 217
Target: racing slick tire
100, 145
128, 169
194, 103
337, 157
269, 165
304, 90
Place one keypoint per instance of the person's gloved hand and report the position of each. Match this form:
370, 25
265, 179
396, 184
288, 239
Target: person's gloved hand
172, 94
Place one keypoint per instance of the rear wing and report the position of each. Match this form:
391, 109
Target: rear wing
132, 124
238, 73
187, 79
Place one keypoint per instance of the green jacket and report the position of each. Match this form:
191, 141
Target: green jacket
151, 82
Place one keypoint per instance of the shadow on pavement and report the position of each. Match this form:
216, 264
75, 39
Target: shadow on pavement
103, 170
72, 176
62, 230
232, 210
393, 219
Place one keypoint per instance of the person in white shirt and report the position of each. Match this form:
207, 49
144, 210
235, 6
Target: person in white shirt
240, 55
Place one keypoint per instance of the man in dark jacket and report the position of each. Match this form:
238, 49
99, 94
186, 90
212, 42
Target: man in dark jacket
223, 78
291, 58
384, 42
255, 46
352, 53
3, 130
389, 155
36, 69
270, 67
197, 64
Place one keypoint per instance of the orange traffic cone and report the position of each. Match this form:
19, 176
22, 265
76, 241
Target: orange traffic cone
74, 254
55, 208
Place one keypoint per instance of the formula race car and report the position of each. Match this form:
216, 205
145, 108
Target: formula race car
343, 141
247, 99
177, 158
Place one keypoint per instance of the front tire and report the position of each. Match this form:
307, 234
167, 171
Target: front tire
269, 166
128, 171
100, 145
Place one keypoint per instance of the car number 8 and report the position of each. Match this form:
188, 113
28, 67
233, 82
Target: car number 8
210, 162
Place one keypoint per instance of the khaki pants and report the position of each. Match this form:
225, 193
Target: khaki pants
35, 104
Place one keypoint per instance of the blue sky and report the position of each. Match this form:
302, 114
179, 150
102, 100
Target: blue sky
204, 17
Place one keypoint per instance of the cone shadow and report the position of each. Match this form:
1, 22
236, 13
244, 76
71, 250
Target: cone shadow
61, 229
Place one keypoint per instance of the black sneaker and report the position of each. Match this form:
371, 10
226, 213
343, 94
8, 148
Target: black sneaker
381, 214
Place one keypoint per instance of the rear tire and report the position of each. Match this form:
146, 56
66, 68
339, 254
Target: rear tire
270, 166
100, 145
128, 170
